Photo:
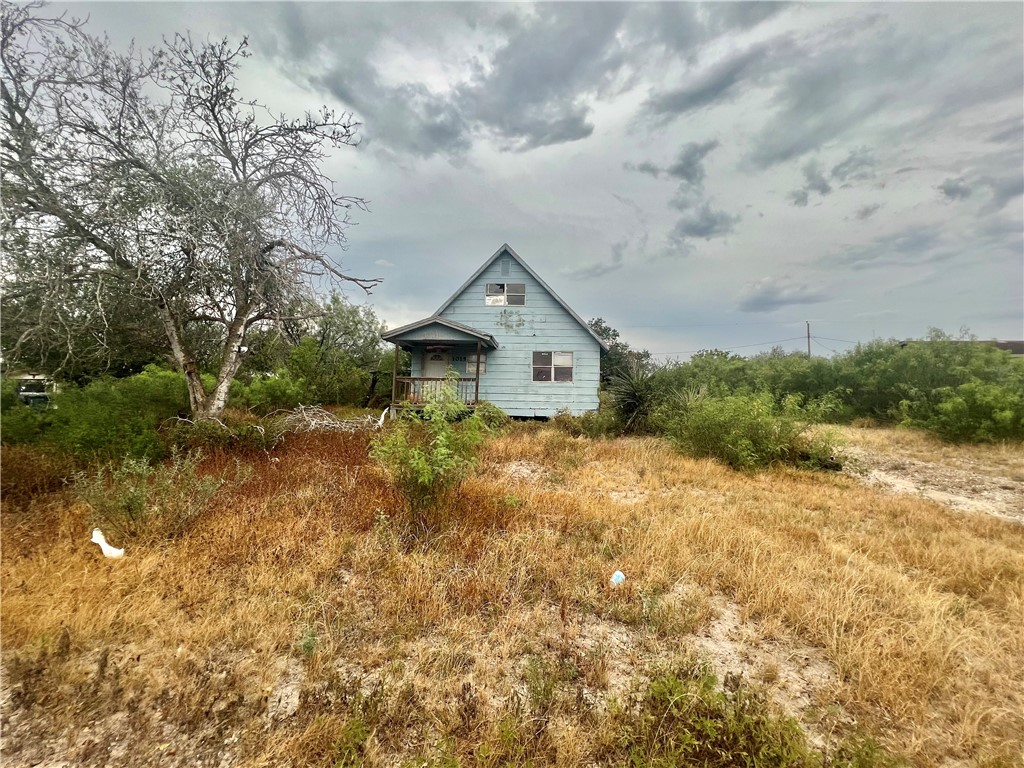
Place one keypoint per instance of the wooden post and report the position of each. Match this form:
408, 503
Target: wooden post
476, 394
394, 375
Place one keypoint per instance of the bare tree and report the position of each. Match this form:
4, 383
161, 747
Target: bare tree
146, 174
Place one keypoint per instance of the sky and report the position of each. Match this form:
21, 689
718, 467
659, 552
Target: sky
699, 175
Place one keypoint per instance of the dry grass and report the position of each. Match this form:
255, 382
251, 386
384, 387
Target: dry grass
497, 641
1000, 459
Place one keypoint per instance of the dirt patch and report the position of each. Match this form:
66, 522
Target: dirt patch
958, 489
522, 470
798, 676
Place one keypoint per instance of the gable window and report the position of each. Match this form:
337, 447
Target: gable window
505, 295
552, 366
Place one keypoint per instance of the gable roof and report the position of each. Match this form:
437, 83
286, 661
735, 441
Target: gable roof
435, 320
507, 249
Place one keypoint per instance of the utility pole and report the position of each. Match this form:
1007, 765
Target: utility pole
808, 337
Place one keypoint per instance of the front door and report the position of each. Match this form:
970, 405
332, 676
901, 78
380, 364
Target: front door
436, 363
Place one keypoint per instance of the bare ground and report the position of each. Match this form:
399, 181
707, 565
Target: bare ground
960, 488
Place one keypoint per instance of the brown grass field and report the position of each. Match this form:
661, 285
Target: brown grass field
297, 625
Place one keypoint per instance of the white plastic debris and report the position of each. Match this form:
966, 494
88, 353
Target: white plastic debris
108, 551
617, 578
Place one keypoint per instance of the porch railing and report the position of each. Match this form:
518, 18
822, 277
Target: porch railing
417, 389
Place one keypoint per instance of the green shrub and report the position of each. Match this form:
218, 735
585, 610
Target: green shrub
604, 422
111, 418
972, 412
684, 717
139, 501
492, 416
429, 453
746, 431
280, 391
20, 423
236, 432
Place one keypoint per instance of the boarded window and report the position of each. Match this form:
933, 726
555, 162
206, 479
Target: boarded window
505, 294
552, 366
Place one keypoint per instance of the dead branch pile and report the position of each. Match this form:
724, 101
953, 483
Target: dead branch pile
313, 418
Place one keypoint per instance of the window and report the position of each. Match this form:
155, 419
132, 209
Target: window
505, 294
475, 368
552, 366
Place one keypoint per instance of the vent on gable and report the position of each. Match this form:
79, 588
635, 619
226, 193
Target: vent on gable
505, 266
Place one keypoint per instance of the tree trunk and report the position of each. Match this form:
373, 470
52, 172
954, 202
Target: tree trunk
184, 358
203, 405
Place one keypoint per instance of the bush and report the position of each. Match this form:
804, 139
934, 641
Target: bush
972, 412
492, 416
280, 391
112, 418
747, 431
604, 422
20, 423
685, 718
237, 432
141, 501
429, 453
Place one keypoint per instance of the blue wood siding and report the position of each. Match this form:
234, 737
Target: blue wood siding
542, 325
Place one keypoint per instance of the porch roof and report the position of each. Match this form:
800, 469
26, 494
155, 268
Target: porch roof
435, 330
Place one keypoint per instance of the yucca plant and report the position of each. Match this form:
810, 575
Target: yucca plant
635, 395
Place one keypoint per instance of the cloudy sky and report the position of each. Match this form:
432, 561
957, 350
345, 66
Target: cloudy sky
699, 175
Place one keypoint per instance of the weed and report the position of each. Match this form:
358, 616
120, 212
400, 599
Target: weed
429, 453
139, 501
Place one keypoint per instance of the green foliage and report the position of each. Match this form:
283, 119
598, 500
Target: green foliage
635, 395
604, 422
141, 501
429, 453
19, 423
684, 718
264, 394
746, 431
236, 433
331, 360
110, 418
972, 412
957, 388
492, 416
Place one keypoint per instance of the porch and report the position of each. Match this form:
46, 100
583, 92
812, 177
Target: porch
419, 389
441, 351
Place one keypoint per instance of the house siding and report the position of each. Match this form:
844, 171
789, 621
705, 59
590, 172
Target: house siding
542, 325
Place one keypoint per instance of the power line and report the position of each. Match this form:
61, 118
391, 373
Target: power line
815, 340
726, 349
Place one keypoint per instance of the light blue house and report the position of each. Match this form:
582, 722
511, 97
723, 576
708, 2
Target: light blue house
512, 341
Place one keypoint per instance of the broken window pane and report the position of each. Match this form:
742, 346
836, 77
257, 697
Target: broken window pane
495, 289
542, 374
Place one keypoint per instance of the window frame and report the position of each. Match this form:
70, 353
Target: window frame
553, 369
501, 296
474, 367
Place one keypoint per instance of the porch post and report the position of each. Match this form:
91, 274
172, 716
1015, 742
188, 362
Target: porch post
476, 394
394, 374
